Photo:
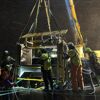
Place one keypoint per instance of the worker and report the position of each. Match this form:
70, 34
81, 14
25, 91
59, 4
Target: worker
92, 58
76, 68
46, 70
7, 66
6, 59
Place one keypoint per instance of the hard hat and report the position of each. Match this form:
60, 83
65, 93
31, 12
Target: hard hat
71, 45
45, 56
6, 52
88, 50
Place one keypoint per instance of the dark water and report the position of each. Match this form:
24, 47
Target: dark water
30, 94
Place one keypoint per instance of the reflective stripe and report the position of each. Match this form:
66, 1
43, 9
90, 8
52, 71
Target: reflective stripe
30, 79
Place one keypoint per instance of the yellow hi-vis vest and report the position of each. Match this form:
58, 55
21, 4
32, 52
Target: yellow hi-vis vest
47, 61
74, 57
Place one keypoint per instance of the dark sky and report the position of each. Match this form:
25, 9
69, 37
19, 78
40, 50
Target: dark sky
13, 17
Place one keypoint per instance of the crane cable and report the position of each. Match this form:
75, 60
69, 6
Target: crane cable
49, 13
48, 16
28, 19
36, 19
75, 21
57, 25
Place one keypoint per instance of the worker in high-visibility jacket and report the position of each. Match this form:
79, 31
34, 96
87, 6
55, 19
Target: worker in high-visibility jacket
92, 57
93, 60
76, 68
46, 70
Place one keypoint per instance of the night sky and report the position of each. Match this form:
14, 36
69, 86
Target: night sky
14, 15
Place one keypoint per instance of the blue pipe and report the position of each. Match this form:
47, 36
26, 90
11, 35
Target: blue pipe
71, 20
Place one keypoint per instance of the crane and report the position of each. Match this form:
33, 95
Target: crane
34, 40
72, 20
74, 25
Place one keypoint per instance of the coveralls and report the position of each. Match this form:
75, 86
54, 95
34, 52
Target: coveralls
76, 70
